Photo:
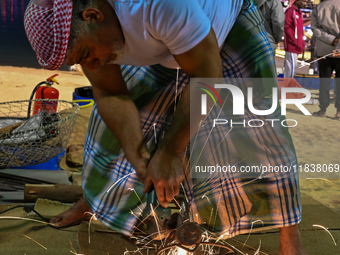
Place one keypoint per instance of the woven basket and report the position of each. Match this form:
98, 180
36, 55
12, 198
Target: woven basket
30, 140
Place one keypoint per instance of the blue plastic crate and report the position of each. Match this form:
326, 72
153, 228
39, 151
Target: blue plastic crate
52, 164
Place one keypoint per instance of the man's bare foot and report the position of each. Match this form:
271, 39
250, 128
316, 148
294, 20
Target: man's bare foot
76, 212
290, 241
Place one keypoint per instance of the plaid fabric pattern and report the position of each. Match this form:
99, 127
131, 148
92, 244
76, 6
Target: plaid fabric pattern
223, 205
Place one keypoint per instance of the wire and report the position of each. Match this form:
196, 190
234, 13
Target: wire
29, 209
31, 97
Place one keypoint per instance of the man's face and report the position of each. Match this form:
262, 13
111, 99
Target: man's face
96, 48
300, 3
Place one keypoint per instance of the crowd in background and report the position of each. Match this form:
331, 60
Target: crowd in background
287, 25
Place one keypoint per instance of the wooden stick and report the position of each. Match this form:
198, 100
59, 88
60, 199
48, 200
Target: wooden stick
59, 192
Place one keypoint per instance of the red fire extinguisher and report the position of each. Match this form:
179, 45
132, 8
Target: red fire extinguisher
46, 92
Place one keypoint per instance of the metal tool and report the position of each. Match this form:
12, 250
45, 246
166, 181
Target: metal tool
161, 224
156, 217
188, 234
178, 228
158, 221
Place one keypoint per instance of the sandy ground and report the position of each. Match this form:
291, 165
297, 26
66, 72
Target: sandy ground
17, 83
316, 140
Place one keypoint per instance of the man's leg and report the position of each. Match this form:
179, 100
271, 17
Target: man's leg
76, 212
290, 241
325, 73
313, 55
274, 200
290, 64
336, 67
274, 47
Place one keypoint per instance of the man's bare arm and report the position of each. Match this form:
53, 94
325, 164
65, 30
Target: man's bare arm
120, 114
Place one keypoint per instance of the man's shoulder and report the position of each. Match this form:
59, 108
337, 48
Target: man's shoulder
328, 8
329, 4
268, 3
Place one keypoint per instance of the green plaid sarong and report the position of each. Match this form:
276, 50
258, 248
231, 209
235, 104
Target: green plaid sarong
110, 184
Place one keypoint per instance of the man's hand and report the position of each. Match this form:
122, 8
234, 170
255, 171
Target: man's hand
336, 53
335, 42
165, 171
140, 161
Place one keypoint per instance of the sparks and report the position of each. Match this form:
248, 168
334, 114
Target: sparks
156, 220
324, 179
327, 232
73, 250
204, 196
132, 189
176, 91
251, 228
93, 217
155, 133
221, 237
35, 241
258, 249
246, 246
76, 253
118, 181
180, 251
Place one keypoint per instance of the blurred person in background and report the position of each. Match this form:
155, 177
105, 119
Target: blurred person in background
293, 41
326, 29
274, 20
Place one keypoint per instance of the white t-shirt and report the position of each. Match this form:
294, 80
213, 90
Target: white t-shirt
155, 29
